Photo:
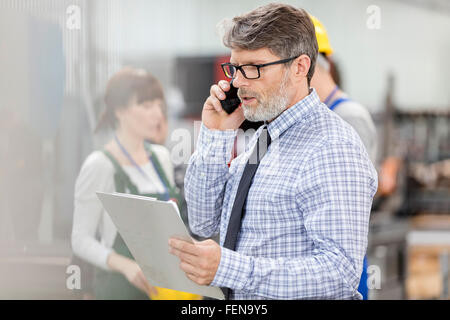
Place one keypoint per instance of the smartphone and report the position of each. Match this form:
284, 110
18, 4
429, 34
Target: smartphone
232, 100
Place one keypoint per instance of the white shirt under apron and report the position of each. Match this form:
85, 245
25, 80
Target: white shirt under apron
359, 118
93, 232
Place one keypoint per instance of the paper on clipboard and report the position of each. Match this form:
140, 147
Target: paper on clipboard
146, 224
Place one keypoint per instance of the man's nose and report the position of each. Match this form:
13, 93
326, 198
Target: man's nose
239, 80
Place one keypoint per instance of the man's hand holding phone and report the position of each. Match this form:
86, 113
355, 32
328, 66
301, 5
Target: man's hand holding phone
214, 117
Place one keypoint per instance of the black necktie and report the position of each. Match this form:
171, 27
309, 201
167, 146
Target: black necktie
237, 213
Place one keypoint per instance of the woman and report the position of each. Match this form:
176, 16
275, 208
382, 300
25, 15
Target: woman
127, 164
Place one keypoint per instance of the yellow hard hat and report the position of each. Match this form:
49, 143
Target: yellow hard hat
322, 37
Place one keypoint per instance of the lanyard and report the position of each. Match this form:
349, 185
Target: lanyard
331, 95
337, 102
125, 152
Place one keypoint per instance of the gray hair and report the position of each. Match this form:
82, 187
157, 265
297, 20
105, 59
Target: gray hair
285, 30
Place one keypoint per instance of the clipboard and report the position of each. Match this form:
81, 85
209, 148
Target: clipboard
146, 224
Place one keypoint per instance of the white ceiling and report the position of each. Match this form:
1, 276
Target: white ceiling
442, 6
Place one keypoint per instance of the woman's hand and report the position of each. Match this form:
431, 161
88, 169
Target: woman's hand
131, 270
136, 277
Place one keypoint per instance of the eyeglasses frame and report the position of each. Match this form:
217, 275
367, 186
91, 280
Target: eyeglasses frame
258, 67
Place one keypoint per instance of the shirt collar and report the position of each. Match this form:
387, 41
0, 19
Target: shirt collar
293, 115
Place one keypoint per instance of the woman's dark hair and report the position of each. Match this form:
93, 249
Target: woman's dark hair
122, 88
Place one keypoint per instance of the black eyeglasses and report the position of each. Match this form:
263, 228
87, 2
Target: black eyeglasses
249, 71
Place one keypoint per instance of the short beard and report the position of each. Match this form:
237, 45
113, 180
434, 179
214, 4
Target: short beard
271, 107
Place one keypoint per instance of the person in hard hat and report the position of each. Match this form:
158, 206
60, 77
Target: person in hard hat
348, 109
329, 93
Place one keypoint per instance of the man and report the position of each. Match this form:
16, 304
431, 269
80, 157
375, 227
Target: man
299, 231
349, 110
330, 94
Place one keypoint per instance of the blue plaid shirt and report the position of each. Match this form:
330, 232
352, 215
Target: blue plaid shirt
304, 233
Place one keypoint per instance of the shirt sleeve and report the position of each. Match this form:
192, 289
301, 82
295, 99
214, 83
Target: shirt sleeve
96, 175
206, 178
334, 194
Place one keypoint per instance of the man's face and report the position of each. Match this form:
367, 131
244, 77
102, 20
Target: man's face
265, 98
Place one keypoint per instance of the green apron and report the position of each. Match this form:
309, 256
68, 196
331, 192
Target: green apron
112, 285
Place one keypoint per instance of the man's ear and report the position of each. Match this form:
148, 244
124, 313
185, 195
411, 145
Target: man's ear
302, 65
